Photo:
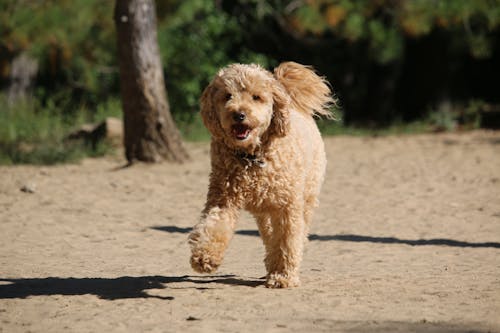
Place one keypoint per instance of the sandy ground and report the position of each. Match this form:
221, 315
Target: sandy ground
407, 239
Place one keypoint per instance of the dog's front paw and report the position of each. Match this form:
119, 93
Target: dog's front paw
206, 256
204, 263
282, 280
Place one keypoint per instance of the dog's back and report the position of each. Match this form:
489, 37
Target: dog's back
310, 96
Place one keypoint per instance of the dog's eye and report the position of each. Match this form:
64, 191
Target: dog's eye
256, 98
228, 96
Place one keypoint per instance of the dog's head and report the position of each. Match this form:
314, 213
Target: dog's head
243, 105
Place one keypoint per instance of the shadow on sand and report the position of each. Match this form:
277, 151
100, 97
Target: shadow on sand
113, 288
360, 238
135, 287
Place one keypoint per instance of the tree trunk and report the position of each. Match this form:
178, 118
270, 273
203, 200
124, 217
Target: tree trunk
150, 133
22, 76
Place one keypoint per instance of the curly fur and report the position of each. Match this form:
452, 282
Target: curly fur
270, 162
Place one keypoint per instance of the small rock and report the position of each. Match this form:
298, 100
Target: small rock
28, 188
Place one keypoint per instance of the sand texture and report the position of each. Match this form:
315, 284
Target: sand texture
406, 239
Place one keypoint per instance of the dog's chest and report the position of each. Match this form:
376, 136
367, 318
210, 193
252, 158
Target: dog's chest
261, 187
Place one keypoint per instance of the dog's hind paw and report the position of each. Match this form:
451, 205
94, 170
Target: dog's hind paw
281, 280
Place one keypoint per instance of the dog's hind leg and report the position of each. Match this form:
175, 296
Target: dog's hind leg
311, 202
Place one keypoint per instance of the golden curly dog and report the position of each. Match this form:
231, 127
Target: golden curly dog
267, 157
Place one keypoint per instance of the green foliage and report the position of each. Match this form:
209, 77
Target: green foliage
449, 117
193, 129
73, 42
196, 41
444, 118
35, 134
329, 128
78, 80
384, 24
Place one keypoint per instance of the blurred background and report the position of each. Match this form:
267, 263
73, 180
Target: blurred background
395, 65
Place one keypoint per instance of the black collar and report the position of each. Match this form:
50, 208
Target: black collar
251, 159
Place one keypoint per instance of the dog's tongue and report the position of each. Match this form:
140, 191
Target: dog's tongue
241, 131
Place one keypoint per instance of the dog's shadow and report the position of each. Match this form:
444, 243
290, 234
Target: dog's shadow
360, 239
114, 288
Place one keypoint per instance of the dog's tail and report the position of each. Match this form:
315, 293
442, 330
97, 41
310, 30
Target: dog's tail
310, 93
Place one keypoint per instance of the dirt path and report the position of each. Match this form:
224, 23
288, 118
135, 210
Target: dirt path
407, 238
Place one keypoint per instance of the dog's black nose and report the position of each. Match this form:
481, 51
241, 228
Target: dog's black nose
239, 116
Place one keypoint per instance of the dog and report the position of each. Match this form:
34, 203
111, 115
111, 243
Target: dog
267, 157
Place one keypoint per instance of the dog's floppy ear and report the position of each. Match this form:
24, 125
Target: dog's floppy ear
208, 111
280, 123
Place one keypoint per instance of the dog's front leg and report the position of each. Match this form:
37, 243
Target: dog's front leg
210, 237
285, 249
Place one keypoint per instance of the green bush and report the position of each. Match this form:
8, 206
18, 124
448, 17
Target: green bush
195, 42
388, 60
385, 24
36, 134
73, 42
370, 50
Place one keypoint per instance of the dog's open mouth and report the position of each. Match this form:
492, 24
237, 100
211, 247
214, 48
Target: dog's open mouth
241, 131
